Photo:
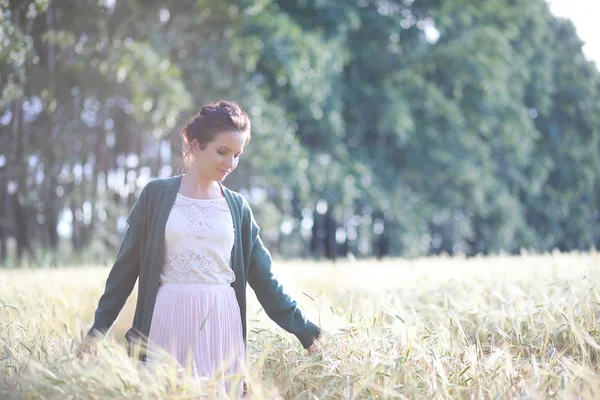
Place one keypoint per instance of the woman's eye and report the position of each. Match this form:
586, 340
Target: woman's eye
221, 153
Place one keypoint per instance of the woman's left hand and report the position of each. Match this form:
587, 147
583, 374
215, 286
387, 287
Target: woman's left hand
313, 348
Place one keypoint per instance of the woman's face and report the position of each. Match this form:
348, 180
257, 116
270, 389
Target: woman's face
219, 157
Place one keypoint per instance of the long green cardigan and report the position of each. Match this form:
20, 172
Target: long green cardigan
142, 252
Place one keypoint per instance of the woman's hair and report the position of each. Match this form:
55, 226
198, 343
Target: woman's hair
213, 118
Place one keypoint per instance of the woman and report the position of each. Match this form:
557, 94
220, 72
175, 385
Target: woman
194, 245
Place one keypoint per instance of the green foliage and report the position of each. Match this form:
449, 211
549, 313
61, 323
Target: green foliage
468, 127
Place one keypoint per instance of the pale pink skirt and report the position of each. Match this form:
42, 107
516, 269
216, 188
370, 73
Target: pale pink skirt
200, 326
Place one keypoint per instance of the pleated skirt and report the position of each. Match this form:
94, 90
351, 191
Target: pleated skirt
200, 326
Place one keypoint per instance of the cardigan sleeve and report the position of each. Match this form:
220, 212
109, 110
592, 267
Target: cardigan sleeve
123, 274
278, 305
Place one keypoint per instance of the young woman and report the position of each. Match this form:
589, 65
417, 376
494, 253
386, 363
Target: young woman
194, 245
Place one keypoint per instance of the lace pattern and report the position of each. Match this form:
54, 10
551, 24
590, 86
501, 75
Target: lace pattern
199, 237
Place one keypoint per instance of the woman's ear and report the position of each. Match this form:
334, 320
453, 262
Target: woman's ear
194, 147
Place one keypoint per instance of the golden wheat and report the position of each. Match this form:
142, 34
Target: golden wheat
488, 327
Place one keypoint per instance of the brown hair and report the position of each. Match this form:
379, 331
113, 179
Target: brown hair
213, 118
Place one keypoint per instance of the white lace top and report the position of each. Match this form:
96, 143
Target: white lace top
199, 238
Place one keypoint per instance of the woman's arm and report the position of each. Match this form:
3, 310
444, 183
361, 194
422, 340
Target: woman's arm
277, 304
123, 274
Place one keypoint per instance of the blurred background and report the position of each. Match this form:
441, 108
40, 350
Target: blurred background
381, 128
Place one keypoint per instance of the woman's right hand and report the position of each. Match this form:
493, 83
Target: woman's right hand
88, 346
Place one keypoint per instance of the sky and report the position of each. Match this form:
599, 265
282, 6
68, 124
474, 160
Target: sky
584, 14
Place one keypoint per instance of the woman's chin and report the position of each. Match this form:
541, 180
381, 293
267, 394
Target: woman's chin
221, 176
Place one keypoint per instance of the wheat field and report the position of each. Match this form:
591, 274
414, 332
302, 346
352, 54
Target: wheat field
433, 328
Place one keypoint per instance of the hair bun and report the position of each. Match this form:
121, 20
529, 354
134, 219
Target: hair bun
205, 110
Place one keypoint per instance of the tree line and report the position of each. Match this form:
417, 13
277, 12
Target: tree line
380, 127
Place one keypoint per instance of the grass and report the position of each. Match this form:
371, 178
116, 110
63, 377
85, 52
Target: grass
495, 327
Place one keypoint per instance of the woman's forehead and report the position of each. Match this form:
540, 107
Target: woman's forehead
234, 140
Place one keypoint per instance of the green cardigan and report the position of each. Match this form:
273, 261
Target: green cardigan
142, 252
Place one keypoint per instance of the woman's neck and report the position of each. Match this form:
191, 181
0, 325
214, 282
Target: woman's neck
193, 185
